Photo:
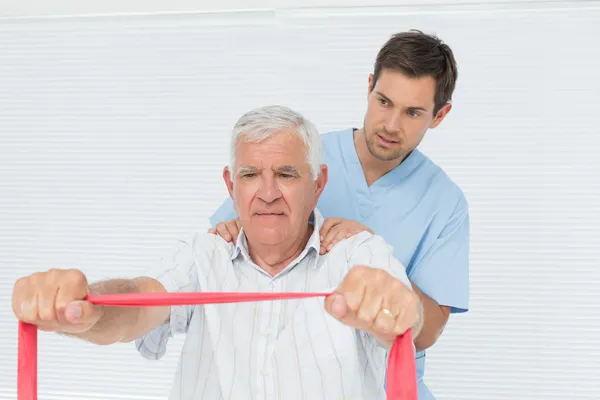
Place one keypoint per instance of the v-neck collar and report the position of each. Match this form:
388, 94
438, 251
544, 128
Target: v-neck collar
367, 196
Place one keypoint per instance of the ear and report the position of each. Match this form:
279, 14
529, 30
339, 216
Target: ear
321, 181
371, 84
228, 181
441, 114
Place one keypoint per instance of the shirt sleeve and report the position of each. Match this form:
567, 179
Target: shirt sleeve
442, 272
375, 252
224, 213
177, 273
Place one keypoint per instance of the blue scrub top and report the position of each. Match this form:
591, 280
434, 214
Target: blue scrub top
415, 207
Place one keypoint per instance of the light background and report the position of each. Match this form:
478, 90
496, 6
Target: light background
114, 125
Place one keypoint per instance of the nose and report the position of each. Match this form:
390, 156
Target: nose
268, 190
393, 123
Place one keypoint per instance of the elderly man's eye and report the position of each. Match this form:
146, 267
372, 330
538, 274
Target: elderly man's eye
286, 176
248, 176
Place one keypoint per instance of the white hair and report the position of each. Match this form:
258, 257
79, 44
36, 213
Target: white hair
260, 123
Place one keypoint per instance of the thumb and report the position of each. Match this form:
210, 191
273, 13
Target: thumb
82, 312
337, 306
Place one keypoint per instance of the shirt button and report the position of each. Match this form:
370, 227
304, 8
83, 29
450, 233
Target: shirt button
268, 331
264, 372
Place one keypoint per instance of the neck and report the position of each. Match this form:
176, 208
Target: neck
373, 167
274, 258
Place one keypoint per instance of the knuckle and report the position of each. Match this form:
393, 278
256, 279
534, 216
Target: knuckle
52, 275
398, 285
20, 284
359, 270
36, 278
75, 277
380, 275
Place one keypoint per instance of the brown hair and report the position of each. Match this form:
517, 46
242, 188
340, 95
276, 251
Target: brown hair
416, 54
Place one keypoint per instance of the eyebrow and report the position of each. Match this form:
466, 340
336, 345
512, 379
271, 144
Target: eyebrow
411, 108
286, 169
246, 170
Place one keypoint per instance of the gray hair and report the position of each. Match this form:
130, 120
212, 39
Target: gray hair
260, 123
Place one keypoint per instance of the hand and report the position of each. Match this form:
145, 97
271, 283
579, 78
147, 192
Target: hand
53, 301
372, 300
336, 229
228, 230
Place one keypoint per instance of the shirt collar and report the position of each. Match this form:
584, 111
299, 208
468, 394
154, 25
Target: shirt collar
314, 241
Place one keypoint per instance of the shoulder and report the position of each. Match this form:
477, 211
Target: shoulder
335, 144
364, 245
203, 246
330, 135
370, 250
335, 137
442, 183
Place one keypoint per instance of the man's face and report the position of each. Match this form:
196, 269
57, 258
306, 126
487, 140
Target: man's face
273, 189
399, 112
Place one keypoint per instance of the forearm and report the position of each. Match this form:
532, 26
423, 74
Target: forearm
434, 320
125, 324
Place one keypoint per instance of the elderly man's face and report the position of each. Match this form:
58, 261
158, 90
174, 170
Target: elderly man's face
273, 189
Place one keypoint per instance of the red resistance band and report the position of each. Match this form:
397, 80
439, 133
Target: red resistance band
401, 370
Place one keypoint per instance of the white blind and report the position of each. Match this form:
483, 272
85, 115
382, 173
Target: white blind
114, 131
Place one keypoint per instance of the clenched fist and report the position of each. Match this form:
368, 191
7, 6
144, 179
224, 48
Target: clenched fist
372, 300
54, 301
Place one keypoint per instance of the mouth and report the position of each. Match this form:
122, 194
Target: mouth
268, 214
386, 140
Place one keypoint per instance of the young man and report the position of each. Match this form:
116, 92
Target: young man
379, 181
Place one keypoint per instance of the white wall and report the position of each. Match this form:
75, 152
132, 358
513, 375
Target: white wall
113, 133
38, 8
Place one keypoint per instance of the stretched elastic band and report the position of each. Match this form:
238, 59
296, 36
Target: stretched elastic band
401, 370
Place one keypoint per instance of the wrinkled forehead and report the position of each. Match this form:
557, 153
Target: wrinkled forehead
279, 151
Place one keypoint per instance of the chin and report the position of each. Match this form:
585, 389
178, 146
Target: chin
269, 236
270, 239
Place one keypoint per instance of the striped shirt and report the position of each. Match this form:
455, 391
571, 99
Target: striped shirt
282, 349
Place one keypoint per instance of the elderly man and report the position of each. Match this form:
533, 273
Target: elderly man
277, 349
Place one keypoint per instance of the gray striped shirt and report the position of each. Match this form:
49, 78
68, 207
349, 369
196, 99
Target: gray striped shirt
283, 349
